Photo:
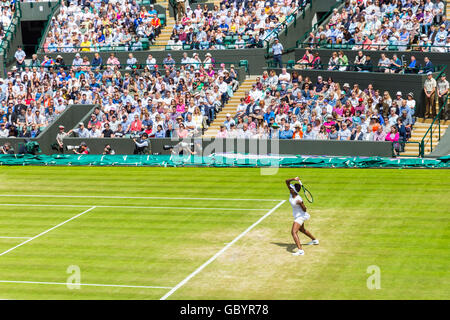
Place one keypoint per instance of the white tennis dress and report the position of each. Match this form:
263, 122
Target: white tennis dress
300, 216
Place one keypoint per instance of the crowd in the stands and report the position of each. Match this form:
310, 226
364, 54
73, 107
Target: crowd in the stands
164, 98
386, 25
233, 24
363, 63
289, 106
7, 9
91, 25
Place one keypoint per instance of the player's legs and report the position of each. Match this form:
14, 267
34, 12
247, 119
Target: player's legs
295, 228
306, 232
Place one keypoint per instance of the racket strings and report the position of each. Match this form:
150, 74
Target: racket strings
308, 195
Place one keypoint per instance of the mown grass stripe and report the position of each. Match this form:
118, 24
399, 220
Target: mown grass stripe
85, 284
46, 231
123, 197
126, 207
199, 269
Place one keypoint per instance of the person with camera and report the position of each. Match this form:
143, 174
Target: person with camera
141, 145
7, 148
108, 150
82, 149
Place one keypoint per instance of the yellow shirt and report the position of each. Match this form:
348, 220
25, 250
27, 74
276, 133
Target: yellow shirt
86, 45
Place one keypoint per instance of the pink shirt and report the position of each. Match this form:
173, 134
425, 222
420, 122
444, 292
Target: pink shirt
328, 125
180, 108
392, 138
339, 111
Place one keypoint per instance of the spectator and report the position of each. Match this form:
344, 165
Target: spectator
81, 131
287, 133
277, 49
357, 133
429, 89
382, 25
394, 137
72, 29
344, 132
428, 66
20, 58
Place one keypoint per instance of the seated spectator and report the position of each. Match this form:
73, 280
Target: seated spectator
72, 29
383, 25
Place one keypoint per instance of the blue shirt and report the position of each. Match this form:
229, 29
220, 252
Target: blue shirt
286, 134
267, 116
277, 48
160, 134
224, 25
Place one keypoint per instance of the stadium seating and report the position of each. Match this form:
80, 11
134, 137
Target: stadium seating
129, 86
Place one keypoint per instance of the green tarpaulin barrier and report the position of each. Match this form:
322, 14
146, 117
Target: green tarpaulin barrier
228, 160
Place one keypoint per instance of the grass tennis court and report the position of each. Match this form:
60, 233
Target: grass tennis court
190, 233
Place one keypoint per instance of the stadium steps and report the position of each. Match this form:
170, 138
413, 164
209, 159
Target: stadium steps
230, 107
420, 128
166, 32
448, 10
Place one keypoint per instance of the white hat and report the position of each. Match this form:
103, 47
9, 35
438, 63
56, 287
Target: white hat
399, 93
228, 115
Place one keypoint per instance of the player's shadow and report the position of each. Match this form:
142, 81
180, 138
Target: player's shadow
290, 247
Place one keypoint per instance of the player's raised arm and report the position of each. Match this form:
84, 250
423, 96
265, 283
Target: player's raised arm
288, 184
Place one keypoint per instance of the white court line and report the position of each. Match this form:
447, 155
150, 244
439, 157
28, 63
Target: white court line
193, 274
120, 197
15, 237
125, 207
46, 231
86, 284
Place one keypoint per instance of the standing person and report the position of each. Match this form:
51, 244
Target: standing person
442, 87
173, 4
300, 215
60, 139
277, 49
429, 88
181, 8
20, 58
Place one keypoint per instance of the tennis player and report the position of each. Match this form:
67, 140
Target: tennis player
300, 215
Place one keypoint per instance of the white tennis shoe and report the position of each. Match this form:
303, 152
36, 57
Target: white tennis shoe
313, 242
299, 253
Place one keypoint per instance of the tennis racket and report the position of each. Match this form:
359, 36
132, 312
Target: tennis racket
308, 195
